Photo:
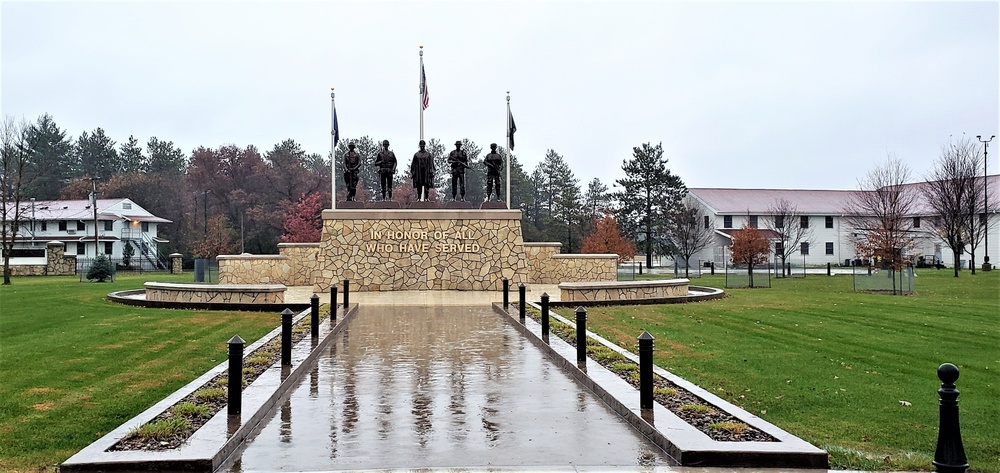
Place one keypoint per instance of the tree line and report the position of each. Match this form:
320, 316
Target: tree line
231, 199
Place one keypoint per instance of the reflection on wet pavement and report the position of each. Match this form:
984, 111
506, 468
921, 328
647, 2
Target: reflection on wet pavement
444, 387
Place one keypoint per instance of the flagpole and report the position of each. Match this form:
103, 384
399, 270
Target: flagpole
509, 150
333, 149
420, 92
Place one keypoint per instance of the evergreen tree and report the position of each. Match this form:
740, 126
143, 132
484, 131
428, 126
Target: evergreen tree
51, 160
165, 158
130, 156
649, 193
596, 204
97, 155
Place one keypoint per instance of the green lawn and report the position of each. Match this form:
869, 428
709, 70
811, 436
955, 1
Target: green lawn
74, 366
853, 373
809, 355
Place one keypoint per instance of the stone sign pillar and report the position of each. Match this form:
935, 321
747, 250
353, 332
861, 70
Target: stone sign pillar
57, 262
176, 263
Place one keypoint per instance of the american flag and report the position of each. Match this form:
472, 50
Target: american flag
425, 96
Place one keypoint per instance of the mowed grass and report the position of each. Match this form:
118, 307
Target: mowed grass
853, 373
73, 366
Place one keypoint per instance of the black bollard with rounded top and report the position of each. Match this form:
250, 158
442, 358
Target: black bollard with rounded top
828, 268
506, 293
545, 314
235, 385
712, 266
640, 268
581, 334
314, 315
333, 303
645, 370
949, 457
520, 301
286, 337
347, 293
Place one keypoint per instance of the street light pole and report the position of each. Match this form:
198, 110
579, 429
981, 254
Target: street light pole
986, 201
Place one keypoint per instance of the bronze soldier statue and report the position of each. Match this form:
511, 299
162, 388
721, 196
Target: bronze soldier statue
494, 164
386, 164
352, 163
422, 172
459, 162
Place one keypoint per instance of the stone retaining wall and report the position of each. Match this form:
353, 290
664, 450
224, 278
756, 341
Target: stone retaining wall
57, 263
216, 293
254, 269
548, 266
302, 259
622, 290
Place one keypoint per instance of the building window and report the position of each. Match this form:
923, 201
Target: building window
727, 221
779, 248
145, 227
126, 205
81, 249
829, 222
829, 247
804, 249
916, 222
108, 247
109, 225
80, 226
779, 221
706, 221
804, 221
45, 225
753, 221
62, 225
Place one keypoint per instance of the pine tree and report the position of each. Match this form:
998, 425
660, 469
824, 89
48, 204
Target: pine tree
649, 193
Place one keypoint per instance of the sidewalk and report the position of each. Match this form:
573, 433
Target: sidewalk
534, 292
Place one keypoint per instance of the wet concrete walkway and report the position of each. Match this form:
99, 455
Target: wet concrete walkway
440, 387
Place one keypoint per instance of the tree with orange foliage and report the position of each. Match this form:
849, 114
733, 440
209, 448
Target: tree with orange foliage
220, 239
607, 239
749, 248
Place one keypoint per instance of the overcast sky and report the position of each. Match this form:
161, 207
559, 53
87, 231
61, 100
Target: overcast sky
741, 94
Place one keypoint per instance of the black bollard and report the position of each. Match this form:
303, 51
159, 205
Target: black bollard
949, 457
506, 293
347, 293
581, 334
314, 315
545, 315
235, 385
286, 337
712, 265
520, 301
640, 268
333, 303
645, 370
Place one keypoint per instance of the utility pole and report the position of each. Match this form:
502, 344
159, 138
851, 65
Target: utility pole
93, 203
986, 202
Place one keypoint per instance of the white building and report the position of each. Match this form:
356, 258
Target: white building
822, 212
119, 222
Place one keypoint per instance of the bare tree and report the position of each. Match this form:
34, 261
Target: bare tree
951, 188
689, 230
878, 212
786, 222
15, 154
